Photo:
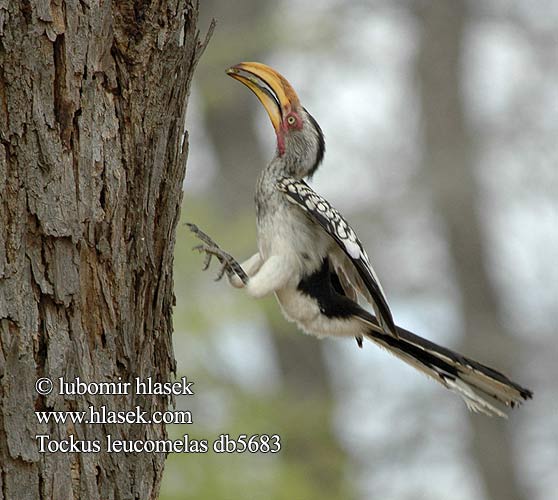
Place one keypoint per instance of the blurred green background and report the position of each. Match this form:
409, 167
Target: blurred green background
441, 121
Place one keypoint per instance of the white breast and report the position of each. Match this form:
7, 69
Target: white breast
289, 232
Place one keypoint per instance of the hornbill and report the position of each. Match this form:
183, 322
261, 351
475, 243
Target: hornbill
312, 260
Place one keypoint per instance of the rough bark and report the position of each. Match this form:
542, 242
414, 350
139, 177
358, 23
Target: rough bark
449, 167
92, 158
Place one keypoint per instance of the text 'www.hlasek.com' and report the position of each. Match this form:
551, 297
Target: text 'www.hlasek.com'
104, 415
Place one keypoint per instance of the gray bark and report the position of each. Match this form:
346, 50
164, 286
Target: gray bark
449, 167
92, 103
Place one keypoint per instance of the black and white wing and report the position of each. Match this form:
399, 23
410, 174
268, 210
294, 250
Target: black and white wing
364, 280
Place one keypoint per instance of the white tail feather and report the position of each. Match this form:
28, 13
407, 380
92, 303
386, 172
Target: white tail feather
473, 401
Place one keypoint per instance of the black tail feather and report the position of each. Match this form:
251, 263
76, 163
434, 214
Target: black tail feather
455, 371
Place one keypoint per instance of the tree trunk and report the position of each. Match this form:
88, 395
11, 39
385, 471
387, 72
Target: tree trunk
92, 158
449, 166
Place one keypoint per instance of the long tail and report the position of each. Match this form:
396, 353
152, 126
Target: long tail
454, 371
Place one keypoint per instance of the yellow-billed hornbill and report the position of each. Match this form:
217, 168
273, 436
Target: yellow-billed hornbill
312, 260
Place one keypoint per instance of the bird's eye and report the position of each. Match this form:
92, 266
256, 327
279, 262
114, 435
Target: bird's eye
291, 120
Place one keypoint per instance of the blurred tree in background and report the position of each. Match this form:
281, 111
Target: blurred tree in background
440, 121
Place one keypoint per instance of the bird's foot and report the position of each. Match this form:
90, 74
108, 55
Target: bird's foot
229, 265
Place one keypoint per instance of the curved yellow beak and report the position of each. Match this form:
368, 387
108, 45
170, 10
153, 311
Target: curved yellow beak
271, 88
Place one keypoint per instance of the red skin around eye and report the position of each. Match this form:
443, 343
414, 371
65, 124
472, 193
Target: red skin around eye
285, 127
297, 125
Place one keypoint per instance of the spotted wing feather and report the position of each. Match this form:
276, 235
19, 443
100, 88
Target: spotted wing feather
319, 210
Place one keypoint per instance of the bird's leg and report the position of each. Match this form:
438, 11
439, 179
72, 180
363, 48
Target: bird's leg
251, 266
229, 265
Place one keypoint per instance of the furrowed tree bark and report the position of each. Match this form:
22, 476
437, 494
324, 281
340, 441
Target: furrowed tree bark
449, 167
92, 158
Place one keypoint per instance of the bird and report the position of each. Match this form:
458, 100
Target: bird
312, 260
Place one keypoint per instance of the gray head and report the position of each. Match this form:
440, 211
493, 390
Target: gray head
300, 141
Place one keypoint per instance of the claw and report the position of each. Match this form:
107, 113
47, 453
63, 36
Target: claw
211, 249
227, 262
208, 255
207, 261
222, 272
201, 235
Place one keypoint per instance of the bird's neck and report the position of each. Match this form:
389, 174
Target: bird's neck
300, 152
285, 165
